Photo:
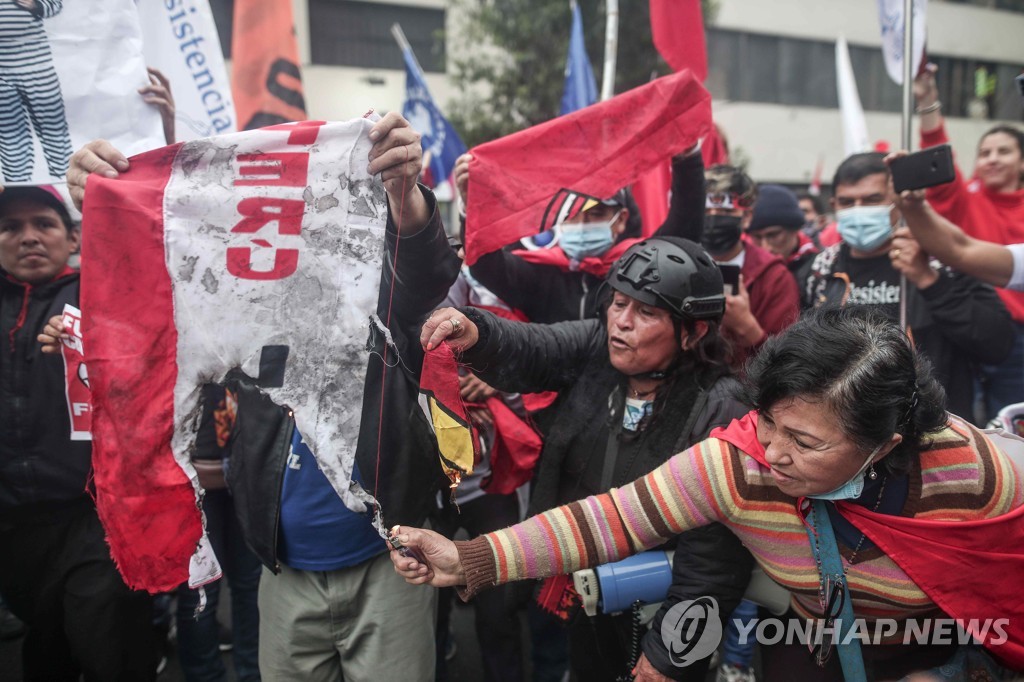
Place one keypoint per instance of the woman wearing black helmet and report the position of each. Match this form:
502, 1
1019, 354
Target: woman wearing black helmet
646, 380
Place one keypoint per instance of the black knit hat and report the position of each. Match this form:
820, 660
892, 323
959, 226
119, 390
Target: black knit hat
776, 205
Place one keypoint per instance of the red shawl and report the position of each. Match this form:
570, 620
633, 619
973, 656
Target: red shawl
970, 569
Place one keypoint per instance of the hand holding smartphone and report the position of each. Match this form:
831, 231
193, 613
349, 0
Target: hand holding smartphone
926, 168
730, 278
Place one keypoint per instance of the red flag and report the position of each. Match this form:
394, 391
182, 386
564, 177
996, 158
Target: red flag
815, 187
652, 193
515, 182
678, 30
715, 149
145, 500
265, 78
439, 382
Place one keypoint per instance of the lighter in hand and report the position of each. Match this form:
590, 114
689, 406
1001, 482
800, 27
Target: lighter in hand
407, 552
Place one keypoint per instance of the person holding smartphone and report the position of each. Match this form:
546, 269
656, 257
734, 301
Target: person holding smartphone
998, 265
956, 321
765, 300
988, 206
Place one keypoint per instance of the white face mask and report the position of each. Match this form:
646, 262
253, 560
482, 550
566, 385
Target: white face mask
586, 240
865, 228
853, 488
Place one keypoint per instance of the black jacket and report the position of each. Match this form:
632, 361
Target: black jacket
576, 461
39, 463
958, 322
548, 294
409, 471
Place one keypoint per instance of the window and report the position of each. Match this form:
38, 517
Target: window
1011, 5
750, 67
349, 33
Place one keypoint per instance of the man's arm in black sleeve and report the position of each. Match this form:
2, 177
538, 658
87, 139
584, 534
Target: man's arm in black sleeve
509, 277
971, 315
522, 357
686, 207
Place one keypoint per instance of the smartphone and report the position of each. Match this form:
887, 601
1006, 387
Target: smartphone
731, 279
926, 168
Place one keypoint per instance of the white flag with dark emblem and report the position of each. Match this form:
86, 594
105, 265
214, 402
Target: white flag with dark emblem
890, 16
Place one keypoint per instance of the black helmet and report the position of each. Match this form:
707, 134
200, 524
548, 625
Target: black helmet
671, 273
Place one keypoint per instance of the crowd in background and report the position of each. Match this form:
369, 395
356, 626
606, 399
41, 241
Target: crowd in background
592, 355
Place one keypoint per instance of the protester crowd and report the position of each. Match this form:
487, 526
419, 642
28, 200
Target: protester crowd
709, 372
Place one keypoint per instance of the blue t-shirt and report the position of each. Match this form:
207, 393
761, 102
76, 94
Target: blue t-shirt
318, 532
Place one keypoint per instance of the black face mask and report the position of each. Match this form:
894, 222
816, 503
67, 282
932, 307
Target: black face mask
721, 232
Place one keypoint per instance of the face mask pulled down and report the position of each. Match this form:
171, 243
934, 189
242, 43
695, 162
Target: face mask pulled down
853, 488
864, 228
587, 240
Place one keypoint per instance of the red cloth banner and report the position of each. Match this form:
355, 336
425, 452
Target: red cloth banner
678, 30
953, 562
594, 151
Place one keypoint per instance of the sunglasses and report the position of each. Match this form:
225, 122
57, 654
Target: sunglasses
726, 201
821, 647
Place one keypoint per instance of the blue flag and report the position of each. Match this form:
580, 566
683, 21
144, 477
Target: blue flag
440, 141
580, 87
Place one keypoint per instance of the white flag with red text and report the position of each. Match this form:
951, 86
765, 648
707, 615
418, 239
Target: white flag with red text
202, 258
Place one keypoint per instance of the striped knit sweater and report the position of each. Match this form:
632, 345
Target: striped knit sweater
960, 476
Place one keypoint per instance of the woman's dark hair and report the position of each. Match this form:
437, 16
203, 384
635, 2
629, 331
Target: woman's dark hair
712, 348
863, 367
1012, 131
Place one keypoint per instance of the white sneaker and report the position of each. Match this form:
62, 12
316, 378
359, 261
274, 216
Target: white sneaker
733, 673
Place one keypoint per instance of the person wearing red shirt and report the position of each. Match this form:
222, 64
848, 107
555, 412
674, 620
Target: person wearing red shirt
766, 300
990, 207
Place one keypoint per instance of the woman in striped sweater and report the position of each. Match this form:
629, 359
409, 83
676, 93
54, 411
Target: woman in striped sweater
846, 412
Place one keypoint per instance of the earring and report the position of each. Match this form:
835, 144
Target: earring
872, 474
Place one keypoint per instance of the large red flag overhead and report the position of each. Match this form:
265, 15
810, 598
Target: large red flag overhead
518, 184
678, 30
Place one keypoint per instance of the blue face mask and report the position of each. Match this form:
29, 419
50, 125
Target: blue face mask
853, 488
586, 240
864, 228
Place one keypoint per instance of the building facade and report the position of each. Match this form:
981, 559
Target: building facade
771, 69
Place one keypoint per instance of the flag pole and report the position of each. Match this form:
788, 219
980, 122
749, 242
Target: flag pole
908, 75
403, 44
908, 120
611, 46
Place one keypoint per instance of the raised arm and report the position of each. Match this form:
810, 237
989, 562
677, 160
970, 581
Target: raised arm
686, 207
991, 263
949, 199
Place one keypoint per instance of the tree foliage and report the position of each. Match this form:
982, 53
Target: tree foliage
525, 71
